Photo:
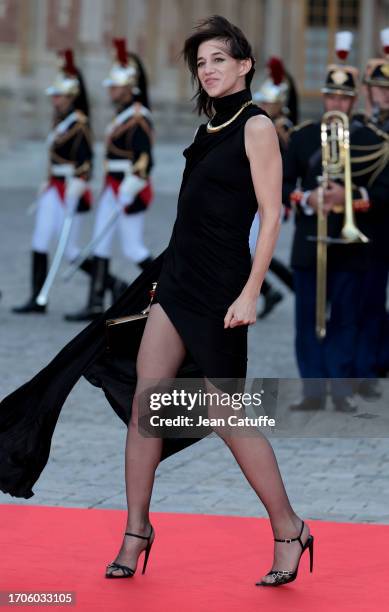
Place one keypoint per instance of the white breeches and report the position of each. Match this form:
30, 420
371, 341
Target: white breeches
130, 229
48, 224
254, 234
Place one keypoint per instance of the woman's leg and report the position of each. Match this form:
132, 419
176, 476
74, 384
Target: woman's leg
258, 463
160, 355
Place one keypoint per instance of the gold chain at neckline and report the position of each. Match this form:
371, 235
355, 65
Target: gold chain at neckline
217, 128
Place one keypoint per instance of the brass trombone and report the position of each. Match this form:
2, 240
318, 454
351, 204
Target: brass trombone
336, 163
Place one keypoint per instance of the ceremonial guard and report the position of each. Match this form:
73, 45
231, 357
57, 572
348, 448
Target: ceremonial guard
274, 95
372, 357
127, 189
65, 194
328, 267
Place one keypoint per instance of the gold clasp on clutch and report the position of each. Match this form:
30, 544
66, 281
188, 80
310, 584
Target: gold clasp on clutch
134, 317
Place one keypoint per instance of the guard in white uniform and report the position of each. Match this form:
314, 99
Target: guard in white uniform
127, 190
66, 191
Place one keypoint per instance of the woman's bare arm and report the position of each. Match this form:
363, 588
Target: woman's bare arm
264, 155
263, 151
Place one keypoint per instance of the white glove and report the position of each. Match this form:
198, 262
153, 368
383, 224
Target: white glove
75, 187
305, 207
129, 188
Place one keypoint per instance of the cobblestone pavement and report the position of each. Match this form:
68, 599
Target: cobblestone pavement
329, 478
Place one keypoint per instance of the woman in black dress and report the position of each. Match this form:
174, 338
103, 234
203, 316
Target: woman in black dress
206, 298
206, 294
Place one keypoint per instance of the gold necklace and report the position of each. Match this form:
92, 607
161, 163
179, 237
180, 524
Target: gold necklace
217, 128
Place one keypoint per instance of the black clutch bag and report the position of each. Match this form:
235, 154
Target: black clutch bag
123, 335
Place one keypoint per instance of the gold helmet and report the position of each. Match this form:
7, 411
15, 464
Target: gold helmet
66, 81
276, 87
124, 70
342, 79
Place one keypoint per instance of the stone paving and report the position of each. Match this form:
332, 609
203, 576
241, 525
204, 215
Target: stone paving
330, 478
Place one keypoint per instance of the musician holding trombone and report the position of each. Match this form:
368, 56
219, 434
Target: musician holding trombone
66, 193
329, 252
372, 356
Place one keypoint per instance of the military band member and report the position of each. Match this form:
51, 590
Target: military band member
127, 188
273, 97
372, 358
66, 190
332, 357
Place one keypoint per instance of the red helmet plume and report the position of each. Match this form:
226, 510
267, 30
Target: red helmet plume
276, 69
121, 50
68, 62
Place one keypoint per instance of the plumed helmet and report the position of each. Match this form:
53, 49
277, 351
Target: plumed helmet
124, 69
276, 87
342, 79
66, 81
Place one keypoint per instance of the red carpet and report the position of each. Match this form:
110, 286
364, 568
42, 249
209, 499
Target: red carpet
198, 563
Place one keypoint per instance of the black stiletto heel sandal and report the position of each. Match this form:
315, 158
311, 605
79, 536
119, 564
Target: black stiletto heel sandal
285, 576
128, 572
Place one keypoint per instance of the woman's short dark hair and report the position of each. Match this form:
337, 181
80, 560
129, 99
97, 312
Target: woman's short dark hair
239, 48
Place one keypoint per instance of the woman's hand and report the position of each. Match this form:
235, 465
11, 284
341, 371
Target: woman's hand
241, 312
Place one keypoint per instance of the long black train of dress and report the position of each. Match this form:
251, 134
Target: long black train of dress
200, 273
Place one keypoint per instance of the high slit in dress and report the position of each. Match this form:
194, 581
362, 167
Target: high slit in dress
201, 272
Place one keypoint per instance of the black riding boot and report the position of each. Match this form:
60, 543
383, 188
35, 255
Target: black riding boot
95, 305
271, 297
39, 263
114, 284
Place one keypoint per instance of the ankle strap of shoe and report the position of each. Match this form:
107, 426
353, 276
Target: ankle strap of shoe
140, 536
288, 540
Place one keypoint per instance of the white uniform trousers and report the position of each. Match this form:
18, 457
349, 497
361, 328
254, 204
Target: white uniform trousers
49, 221
130, 229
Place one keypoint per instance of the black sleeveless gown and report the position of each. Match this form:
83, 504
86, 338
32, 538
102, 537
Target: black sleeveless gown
208, 261
200, 273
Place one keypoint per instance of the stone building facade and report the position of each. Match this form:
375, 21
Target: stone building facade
31, 31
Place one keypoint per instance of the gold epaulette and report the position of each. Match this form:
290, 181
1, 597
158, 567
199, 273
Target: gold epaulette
297, 127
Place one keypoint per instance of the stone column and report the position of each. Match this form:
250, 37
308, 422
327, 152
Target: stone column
368, 44
273, 27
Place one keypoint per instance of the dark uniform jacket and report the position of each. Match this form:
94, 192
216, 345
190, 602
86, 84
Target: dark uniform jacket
375, 224
132, 140
71, 150
302, 162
